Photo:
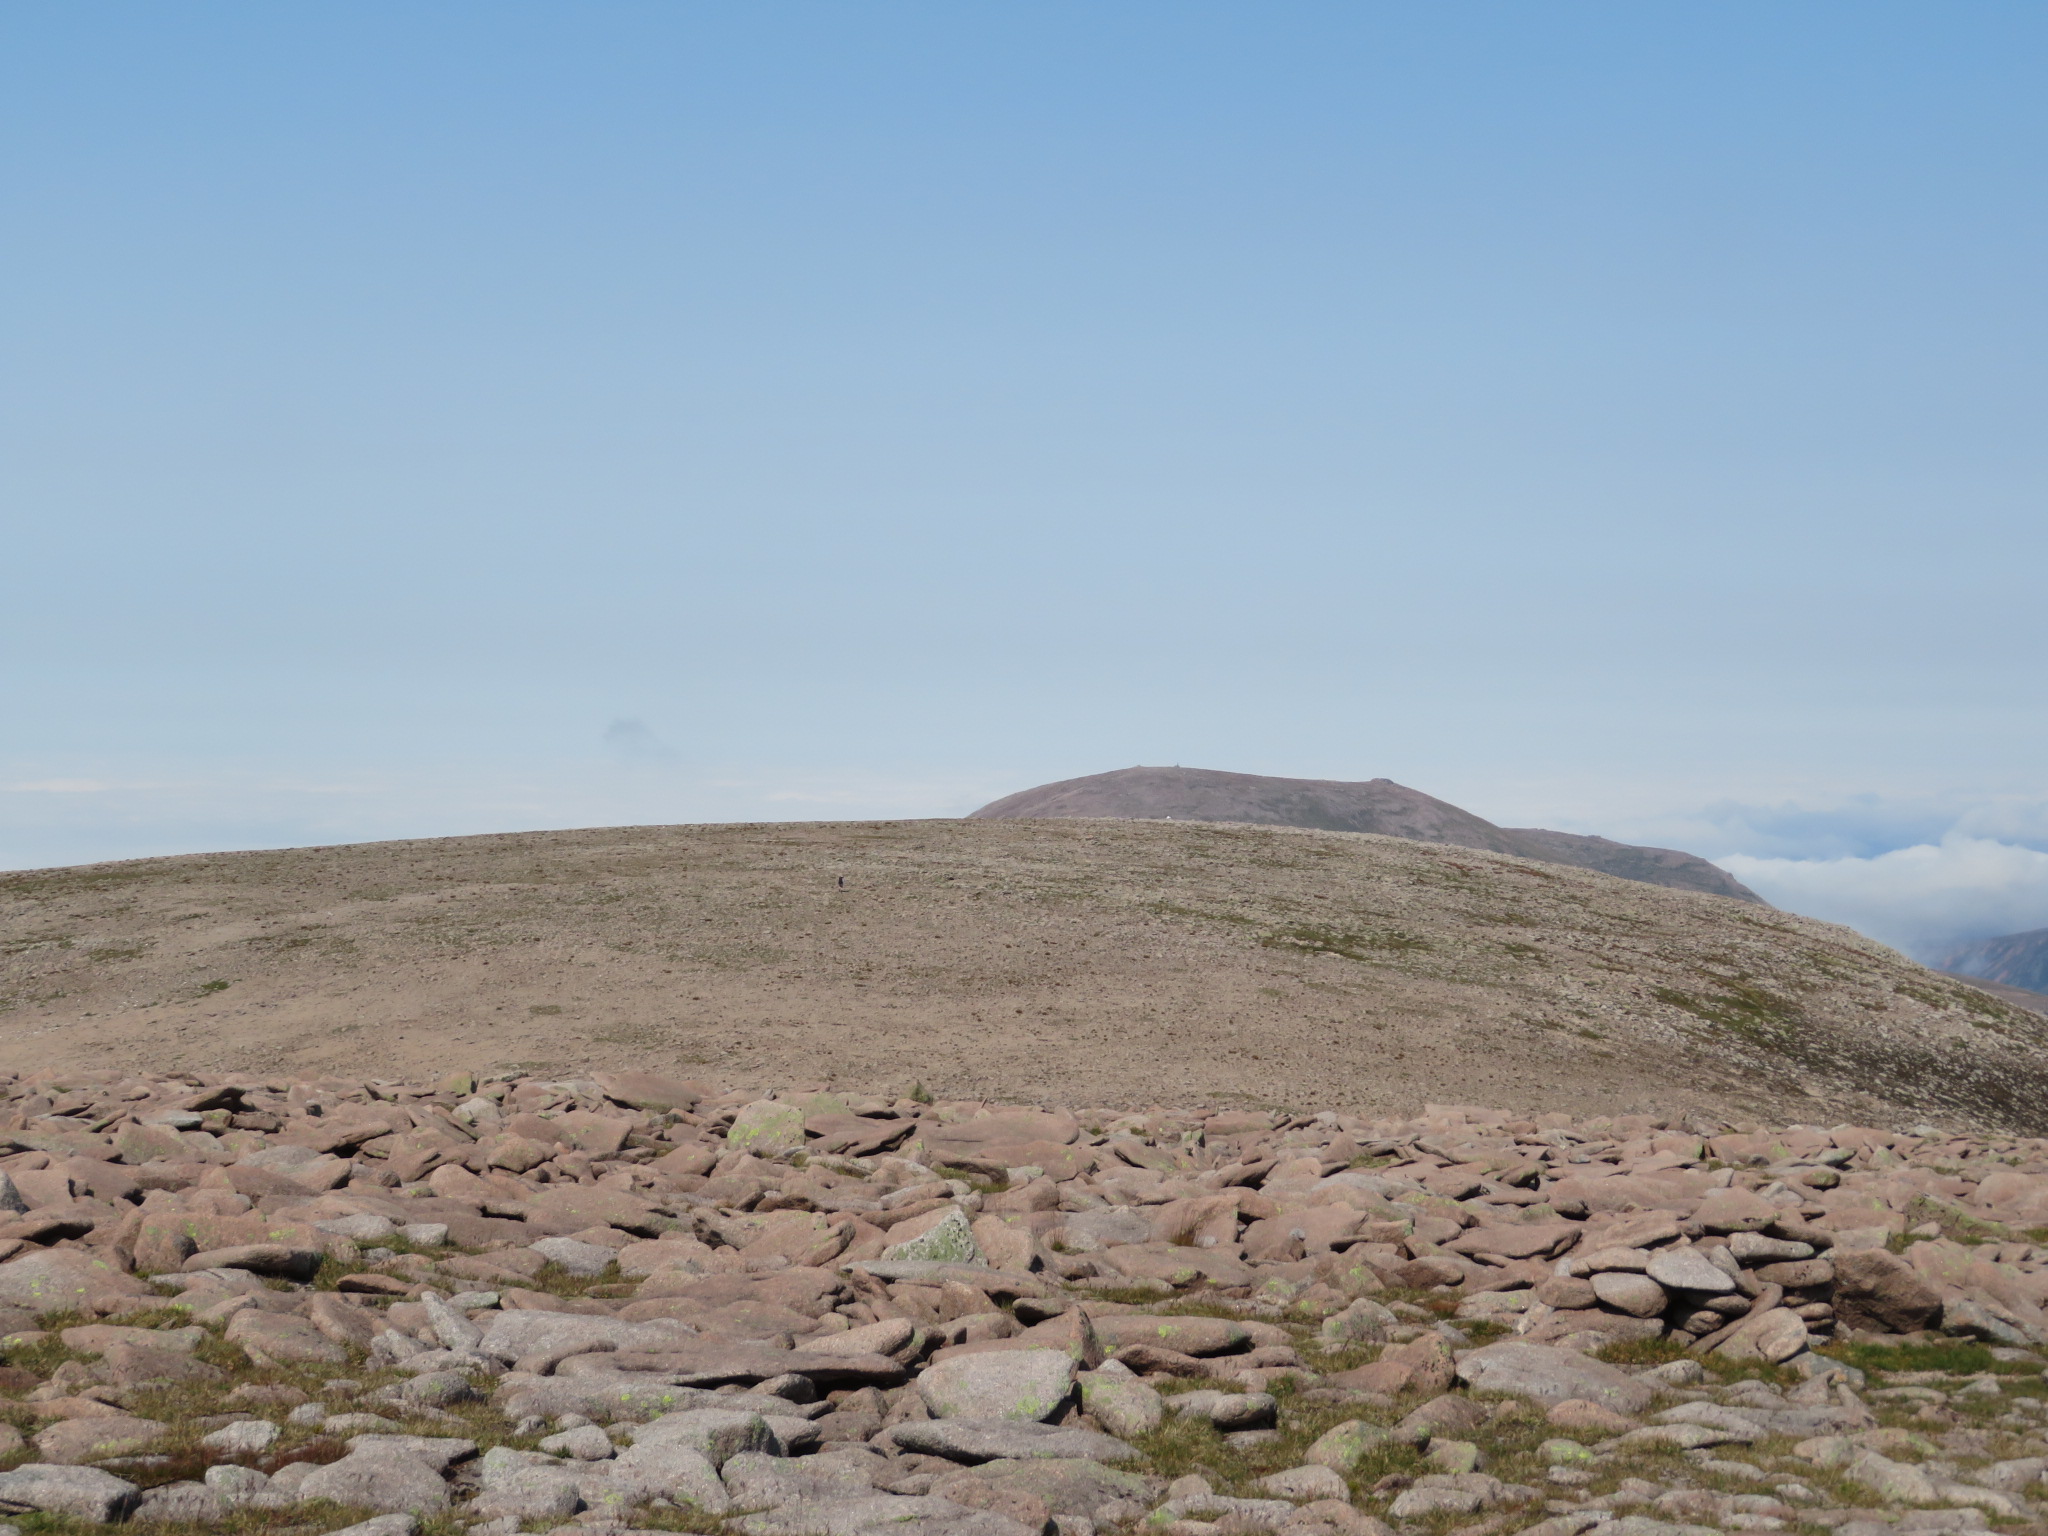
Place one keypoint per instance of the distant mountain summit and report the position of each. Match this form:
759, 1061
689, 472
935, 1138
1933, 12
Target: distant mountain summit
1333, 805
2015, 959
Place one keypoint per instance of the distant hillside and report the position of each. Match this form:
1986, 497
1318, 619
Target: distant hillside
2017, 960
1333, 805
1073, 961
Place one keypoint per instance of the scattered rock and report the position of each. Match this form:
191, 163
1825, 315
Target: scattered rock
735, 1307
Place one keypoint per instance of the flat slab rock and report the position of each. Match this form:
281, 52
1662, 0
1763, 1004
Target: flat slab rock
516, 1335
866, 1514
978, 1440
1024, 1384
1552, 1375
85, 1493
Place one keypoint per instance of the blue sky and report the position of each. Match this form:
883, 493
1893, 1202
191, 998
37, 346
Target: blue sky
454, 418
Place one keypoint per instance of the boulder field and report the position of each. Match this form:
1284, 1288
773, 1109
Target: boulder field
625, 1302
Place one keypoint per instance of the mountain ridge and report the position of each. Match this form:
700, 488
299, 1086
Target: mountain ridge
2012, 959
1379, 806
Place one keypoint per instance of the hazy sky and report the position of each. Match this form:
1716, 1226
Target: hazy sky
1625, 417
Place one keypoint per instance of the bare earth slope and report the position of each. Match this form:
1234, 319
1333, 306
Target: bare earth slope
1084, 961
1335, 805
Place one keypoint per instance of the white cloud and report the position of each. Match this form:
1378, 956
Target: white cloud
1924, 899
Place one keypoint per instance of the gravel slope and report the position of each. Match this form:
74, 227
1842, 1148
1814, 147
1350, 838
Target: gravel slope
1084, 961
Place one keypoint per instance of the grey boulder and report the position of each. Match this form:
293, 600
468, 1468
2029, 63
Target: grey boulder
866, 1514
386, 1481
380, 1525
1069, 1485
84, 1493
713, 1433
670, 1469
516, 1335
577, 1258
1687, 1269
1000, 1384
975, 1440
1552, 1375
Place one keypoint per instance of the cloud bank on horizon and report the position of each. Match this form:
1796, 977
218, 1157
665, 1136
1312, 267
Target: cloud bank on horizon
1923, 874
1926, 899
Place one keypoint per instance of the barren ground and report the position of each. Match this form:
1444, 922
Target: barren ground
1095, 961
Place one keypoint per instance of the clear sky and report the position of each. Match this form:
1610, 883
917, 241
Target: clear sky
459, 417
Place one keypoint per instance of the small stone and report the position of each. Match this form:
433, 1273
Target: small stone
584, 1260
1447, 1493
381, 1525
1891, 1480
246, 1438
1238, 1411
363, 1227
951, 1241
438, 1389
1453, 1456
1577, 1413
1774, 1336
1496, 1304
586, 1442
423, 1234
1735, 1210
1365, 1321
1305, 1483
453, 1329
1675, 1373
1563, 1453
1346, 1445
1124, 1408
236, 1485
1755, 1247
1637, 1295
766, 1128
1687, 1269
